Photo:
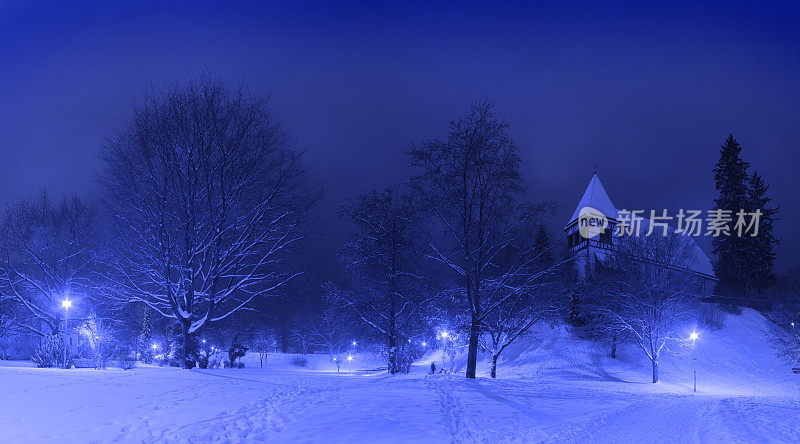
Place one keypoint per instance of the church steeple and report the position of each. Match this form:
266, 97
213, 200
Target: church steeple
596, 197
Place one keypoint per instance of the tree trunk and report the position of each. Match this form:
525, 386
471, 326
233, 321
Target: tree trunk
392, 365
188, 352
494, 366
472, 353
655, 371
614, 346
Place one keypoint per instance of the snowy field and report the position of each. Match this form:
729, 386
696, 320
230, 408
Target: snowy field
554, 390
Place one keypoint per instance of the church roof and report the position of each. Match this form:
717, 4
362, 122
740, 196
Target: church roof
596, 197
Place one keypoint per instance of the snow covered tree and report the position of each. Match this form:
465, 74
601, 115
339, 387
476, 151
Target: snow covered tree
730, 175
328, 330
785, 316
47, 251
9, 315
471, 184
385, 285
761, 248
525, 298
654, 294
507, 323
208, 197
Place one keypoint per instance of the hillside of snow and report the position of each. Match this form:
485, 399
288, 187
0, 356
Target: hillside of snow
735, 360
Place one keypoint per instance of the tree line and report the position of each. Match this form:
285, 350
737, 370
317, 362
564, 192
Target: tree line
204, 220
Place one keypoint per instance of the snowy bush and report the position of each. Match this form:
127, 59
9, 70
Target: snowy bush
785, 331
100, 342
235, 351
51, 353
127, 362
299, 361
712, 316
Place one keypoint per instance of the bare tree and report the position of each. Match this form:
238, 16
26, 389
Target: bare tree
386, 291
654, 293
208, 196
327, 330
785, 331
525, 296
785, 316
9, 315
47, 253
472, 186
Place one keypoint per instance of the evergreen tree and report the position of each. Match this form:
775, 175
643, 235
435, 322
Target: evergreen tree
730, 175
761, 254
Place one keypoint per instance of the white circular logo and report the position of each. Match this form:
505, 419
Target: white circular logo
591, 222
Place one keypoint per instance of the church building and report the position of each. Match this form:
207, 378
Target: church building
596, 205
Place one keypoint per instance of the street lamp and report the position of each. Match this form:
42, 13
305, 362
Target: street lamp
693, 336
424, 344
66, 304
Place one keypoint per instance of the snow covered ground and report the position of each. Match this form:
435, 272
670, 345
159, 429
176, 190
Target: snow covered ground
554, 390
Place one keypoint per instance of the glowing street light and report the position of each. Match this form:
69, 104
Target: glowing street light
155, 346
354, 343
66, 303
204, 341
444, 334
693, 336
424, 344
350, 358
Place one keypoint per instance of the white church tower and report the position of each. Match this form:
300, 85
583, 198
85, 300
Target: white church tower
591, 236
588, 236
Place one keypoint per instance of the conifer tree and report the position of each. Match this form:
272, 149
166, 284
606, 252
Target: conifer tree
730, 175
761, 254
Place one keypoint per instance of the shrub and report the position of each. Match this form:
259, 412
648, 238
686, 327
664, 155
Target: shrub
51, 353
236, 350
712, 316
299, 361
127, 362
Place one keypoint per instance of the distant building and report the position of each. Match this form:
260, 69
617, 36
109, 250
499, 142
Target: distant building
589, 251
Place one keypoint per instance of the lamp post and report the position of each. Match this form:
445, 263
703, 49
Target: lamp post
66, 304
693, 336
350, 363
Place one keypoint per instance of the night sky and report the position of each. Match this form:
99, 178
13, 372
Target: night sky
647, 93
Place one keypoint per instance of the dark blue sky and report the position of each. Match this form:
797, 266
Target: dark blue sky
646, 92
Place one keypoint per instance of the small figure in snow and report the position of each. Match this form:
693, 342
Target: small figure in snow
433, 367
